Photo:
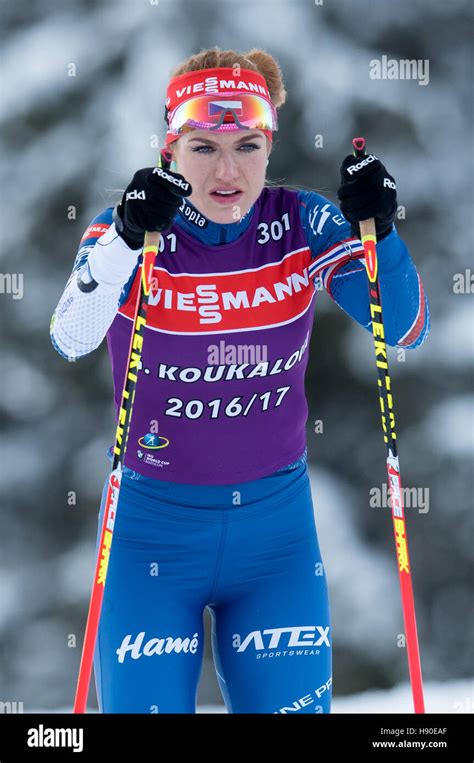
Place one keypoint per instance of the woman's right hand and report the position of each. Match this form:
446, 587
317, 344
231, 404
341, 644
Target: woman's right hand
150, 203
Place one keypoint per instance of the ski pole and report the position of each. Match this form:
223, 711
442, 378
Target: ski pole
369, 240
150, 250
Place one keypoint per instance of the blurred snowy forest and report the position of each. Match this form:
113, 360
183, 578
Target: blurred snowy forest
69, 141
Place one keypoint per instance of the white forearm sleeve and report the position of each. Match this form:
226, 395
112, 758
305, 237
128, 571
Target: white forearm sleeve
82, 318
111, 261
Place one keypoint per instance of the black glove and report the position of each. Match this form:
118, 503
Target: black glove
367, 190
150, 202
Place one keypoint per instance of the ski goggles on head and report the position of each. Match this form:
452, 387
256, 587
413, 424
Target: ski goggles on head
223, 112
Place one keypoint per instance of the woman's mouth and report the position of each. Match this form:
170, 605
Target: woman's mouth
226, 195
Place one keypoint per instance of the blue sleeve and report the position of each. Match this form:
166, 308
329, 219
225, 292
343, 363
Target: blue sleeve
338, 261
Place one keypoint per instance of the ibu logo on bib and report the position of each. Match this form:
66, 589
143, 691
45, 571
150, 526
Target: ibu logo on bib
153, 441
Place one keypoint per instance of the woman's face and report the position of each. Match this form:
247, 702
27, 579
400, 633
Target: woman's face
214, 162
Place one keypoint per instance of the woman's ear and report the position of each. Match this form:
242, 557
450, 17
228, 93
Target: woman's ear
269, 149
173, 164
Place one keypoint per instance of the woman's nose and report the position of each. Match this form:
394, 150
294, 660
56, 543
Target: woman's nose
226, 167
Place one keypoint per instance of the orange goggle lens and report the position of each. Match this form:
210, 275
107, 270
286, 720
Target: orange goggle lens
224, 112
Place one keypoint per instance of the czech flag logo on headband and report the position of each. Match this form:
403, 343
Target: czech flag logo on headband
217, 107
219, 100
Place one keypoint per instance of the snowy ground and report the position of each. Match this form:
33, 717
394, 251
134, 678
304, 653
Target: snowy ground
449, 697
440, 697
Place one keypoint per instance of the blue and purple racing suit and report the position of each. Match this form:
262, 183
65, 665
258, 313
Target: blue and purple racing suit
215, 508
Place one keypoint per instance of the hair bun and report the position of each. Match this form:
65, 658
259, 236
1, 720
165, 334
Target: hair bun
270, 69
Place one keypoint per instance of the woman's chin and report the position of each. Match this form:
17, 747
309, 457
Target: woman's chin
223, 218
229, 213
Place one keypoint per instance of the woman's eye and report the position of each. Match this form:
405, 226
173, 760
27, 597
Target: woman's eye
205, 149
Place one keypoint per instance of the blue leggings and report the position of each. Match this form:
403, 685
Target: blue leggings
248, 552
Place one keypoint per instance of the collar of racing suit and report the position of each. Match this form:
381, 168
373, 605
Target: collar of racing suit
207, 231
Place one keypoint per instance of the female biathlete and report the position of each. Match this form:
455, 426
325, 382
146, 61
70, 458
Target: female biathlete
215, 508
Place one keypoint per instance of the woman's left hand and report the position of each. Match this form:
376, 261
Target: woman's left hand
367, 190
